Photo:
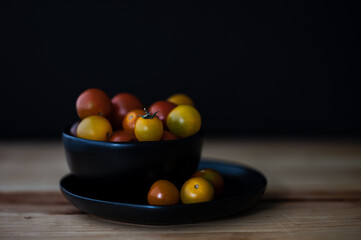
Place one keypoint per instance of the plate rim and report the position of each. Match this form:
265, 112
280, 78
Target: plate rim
143, 206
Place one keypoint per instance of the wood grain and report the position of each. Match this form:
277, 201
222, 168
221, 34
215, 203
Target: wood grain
49, 215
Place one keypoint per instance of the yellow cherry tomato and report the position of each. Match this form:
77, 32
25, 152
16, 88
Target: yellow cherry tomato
184, 121
94, 128
196, 190
148, 128
180, 99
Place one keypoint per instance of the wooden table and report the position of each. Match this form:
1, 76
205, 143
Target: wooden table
314, 192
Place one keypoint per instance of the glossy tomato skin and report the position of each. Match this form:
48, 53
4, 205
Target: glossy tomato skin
162, 193
130, 119
121, 136
181, 99
163, 108
169, 136
196, 190
148, 129
95, 128
123, 103
93, 101
214, 177
184, 121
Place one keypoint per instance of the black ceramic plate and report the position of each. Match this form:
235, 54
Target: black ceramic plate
126, 203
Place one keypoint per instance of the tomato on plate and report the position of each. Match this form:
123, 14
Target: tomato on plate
214, 177
130, 119
93, 101
181, 99
163, 108
163, 192
148, 127
196, 190
94, 128
123, 103
184, 121
121, 136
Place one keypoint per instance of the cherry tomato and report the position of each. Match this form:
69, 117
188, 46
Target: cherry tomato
94, 128
93, 102
130, 119
196, 190
184, 121
214, 177
73, 128
122, 104
121, 136
180, 99
163, 108
163, 192
168, 136
148, 127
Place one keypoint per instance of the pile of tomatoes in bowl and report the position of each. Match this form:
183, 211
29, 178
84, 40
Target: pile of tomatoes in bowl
124, 118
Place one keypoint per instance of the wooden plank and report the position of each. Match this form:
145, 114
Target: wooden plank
49, 216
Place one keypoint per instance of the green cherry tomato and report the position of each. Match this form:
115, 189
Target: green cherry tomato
184, 121
148, 128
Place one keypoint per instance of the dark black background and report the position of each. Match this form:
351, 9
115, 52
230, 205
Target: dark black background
253, 68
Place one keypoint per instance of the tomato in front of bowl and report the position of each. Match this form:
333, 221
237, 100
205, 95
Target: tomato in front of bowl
214, 177
163, 192
196, 190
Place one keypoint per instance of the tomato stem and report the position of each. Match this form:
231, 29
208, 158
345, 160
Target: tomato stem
148, 115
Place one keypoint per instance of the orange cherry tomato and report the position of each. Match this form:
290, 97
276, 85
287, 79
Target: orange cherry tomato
169, 136
196, 190
214, 177
163, 192
121, 136
94, 128
122, 104
93, 101
181, 99
130, 119
148, 128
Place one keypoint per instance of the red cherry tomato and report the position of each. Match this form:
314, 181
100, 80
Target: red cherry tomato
93, 101
163, 108
121, 136
168, 136
163, 192
122, 104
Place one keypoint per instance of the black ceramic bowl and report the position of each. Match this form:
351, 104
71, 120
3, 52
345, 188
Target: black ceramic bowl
175, 160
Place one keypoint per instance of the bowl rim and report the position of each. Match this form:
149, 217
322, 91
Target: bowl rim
66, 134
